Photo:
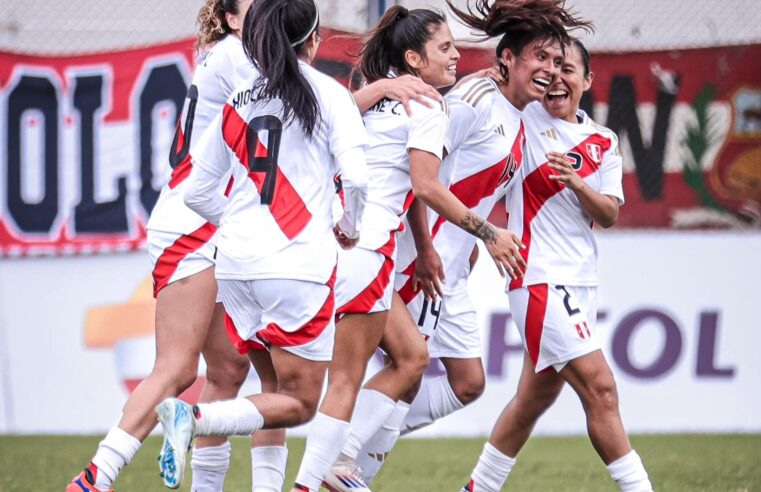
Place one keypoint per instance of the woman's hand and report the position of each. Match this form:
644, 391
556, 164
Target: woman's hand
564, 172
344, 241
429, 274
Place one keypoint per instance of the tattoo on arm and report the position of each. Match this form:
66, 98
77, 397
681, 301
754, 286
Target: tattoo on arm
478, 227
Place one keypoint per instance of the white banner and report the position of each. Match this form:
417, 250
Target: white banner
677, 314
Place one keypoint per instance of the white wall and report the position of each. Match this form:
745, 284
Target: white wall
51, 383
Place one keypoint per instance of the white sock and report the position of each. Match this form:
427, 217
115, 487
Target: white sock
371, 410
630, 474
268, 468
238, 417
326, 437
436, 399
210, 466
374, 454
115, 451
492, 469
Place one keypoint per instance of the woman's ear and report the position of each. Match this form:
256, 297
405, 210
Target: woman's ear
413, 59
507, 59
232, 21
588, 81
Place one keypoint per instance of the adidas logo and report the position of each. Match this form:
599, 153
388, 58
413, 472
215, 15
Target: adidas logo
378, 456
552, 134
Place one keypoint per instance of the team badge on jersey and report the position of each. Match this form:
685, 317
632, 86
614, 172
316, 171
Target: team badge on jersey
594, 151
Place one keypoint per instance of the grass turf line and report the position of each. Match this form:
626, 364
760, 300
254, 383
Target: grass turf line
677, 463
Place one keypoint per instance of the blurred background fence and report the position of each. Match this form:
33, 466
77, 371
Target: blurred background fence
89, 96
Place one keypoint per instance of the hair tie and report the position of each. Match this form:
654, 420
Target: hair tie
402, 13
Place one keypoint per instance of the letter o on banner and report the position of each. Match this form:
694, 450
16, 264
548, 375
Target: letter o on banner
668, 355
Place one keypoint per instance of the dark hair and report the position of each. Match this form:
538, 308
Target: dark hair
275, 32
584, 52
212, 24
398, 31
520, 22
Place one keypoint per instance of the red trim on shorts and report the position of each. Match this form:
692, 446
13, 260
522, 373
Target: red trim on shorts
182, 171
538, 188
242, 346
171, 257
287, 208
535, 312
406, 292
275, 335
363, 302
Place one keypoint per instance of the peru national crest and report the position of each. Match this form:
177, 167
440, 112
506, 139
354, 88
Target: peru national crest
594, 152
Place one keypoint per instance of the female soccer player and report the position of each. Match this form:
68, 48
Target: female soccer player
484, 126
570, 179
286, 135
416, 41
180, 245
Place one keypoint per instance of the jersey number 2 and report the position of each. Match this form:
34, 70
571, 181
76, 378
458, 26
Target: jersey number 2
261, 158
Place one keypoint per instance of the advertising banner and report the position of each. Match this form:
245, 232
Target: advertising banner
676, 316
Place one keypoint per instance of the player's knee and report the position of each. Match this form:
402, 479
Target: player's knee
469, 388
601, 394
415, 364
228, 373
180, 374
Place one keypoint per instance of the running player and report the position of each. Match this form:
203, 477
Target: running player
570, 180
180, 246
415, 41
484, 127
285, 135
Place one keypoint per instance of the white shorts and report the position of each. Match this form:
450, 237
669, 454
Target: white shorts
176, 256
295, 315
364, 282
556, 322
449, 324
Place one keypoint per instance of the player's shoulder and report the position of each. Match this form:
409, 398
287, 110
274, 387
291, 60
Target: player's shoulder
477, 92
430, 108
226, 49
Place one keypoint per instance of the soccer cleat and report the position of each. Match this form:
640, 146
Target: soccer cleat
176, 417
85, 480
345, 476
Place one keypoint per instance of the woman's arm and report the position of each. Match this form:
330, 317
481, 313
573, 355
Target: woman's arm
602, 208
502, 245
202, 195
404, 89
429, 271
354, 177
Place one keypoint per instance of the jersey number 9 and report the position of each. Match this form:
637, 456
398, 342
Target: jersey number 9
263, 158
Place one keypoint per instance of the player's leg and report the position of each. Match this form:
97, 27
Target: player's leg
535, 394
183, 313
269, 454
226, 370
591, 378
377, 400
363, 293
295, 320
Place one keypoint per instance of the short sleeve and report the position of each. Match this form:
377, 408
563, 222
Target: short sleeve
211, 152
428, 129
611, 172
462, 119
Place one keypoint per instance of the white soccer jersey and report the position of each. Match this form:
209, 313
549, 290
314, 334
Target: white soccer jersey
483, 129
560, 245
223, 68
278, 222
391, 135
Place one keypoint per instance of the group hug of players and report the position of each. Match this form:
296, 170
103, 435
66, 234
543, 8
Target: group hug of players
249, 244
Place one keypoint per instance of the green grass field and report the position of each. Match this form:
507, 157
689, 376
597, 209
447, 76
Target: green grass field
675, 462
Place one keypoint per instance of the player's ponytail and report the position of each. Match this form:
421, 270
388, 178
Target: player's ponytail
212, 23
520, 22
398, 30
275, 34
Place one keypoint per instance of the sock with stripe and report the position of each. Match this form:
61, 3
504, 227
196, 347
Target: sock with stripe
238, 417
326, 437
371, 410
209, 467
630, 474
115, 451
268, 468
492, 470
436, 399
374, 454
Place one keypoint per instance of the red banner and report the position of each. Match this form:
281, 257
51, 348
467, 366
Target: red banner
86, 139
